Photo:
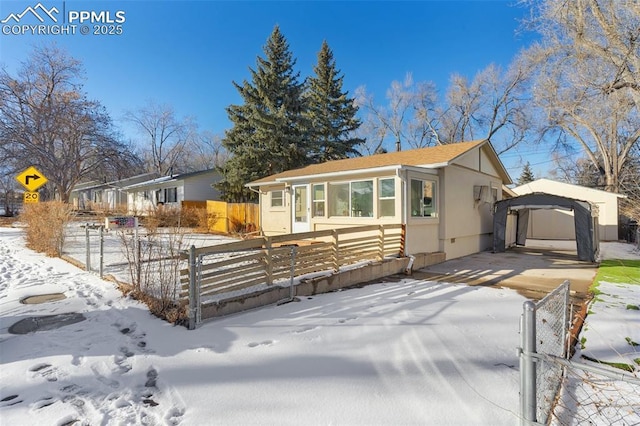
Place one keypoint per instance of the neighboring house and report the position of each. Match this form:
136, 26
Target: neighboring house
559, 224
444, 195
107, 196
171, 191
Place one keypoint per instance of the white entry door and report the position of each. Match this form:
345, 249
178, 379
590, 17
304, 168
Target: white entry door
301, 208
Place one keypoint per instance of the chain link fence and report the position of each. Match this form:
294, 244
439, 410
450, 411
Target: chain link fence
596, 394
558, 391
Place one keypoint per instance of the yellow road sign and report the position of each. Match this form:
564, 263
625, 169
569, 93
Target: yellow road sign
31, 179
31, 197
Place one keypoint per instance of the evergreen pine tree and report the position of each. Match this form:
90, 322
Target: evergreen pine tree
527, 175
269, 134
331, 113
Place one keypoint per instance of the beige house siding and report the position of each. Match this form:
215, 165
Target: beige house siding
467, 223
558, 224
462, 224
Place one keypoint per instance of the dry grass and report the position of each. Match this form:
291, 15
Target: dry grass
46, 226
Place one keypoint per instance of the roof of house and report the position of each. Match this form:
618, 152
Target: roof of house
544, 185
94, 184
432, 157
170, 178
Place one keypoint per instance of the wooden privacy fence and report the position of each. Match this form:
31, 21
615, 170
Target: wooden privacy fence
264, 261
233, 217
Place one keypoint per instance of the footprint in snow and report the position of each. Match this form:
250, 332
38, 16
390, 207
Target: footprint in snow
264, 343
46, 371
305, 329
345, 320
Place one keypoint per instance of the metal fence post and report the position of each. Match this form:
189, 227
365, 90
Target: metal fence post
293, 271
101, 251
527, 364
88, 246
192, 288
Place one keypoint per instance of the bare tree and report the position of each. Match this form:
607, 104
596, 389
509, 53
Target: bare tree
47, 121
407, 117
492, 106
588, 77
208, 152
165, 137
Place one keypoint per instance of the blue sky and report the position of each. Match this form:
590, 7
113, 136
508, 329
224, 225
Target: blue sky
187, 53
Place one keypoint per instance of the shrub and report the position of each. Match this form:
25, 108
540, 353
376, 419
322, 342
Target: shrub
46, 223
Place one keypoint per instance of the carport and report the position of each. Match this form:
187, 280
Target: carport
515, 212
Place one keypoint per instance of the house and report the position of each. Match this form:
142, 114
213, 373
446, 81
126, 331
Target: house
171, 191
559, 224
443, 195
109, 196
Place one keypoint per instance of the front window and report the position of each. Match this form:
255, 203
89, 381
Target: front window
423, 198
171, 195
277, 198
362, 199
387, 196
318, 200
353, 199
339, 199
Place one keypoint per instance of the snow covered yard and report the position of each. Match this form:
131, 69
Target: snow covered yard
408, 352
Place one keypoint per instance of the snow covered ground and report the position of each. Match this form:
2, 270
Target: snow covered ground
408, 352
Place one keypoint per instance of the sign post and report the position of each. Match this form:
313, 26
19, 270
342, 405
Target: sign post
31, 179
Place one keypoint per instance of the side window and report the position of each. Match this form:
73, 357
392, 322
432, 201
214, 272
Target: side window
277, 198
387, 197
423, 198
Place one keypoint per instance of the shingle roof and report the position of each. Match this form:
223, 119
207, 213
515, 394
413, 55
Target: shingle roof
415, 157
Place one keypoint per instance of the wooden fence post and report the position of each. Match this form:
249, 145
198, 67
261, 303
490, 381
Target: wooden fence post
268, 258
381, 242
403, 234
336, 249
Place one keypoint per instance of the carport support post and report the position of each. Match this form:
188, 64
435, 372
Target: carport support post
193, 287
527, 365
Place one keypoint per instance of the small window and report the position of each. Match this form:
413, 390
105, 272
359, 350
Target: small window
171, 195
318, 200
277, 198
387, 197
423, 198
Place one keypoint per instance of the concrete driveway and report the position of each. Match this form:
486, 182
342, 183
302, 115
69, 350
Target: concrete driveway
533, 270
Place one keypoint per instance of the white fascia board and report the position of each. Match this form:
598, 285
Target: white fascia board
346, 173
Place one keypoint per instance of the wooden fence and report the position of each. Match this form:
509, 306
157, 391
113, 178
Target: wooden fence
230, 267
233, 217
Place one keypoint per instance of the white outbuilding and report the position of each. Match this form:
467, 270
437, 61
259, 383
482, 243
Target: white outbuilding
559, 224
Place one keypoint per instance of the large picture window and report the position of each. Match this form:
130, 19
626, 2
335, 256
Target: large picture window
387, 197
353, 199
423, 198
